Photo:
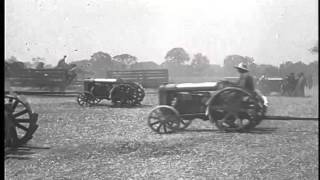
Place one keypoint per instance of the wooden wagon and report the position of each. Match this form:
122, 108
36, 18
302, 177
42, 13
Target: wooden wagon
50, 78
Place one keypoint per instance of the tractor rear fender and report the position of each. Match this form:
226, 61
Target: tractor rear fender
212, 98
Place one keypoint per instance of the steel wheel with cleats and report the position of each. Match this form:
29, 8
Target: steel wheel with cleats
164, 119
234, 110
86, 99
138, 92
20, 122
123, 95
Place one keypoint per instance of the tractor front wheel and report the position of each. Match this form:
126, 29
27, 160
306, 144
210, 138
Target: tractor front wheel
164, 119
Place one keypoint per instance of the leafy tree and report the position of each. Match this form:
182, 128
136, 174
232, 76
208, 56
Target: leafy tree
125, 59
38, 59
37, 62
100, 63
177, 56
145, 65
12, 59
101, 57
233, 60
268, 70
48, 66
40, 65
199, 63
290, 67
315, 49
16, 66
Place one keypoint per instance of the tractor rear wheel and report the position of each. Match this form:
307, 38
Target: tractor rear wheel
123, 94
138, 93
234, 110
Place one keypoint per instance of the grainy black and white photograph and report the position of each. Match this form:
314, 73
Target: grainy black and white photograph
161, 89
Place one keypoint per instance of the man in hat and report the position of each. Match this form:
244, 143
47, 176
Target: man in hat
62, 63
245, 80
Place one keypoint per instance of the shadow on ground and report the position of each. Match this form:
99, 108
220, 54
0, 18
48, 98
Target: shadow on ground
124, 106
23, 152
258, 130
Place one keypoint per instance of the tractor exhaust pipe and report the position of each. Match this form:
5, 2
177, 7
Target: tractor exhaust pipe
289, 118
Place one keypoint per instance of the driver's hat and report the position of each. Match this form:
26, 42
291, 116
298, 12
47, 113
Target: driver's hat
242, 66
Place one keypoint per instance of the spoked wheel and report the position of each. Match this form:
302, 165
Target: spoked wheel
138, 93
86, 99
123, 95
234, 110
184, 123
21, 123
164, 119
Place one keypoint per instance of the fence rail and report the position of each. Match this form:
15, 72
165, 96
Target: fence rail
59, 93
152, 78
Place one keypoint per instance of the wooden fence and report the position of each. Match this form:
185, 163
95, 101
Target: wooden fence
152, 78
39, 78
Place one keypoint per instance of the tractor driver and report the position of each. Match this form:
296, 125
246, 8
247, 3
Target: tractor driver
245, 80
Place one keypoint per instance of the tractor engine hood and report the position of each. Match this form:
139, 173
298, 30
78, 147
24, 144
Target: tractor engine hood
204, 86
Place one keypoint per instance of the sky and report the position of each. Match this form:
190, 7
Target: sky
270, 31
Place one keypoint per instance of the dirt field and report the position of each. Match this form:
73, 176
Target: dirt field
115, 143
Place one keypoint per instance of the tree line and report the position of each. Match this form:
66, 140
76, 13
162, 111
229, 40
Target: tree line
179, 64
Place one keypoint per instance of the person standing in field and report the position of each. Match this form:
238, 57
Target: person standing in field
292, 82
301, 84
309, 81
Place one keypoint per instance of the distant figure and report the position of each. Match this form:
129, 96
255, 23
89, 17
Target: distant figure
245, 80
301, 84
62, 63
292, 81
309, 81
261, 84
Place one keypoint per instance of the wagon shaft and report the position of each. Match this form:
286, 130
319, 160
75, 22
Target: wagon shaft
289, 118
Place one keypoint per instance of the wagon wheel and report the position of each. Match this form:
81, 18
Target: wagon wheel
20, 121
138, 93
86, 99
164, 119
123, 95
233, 109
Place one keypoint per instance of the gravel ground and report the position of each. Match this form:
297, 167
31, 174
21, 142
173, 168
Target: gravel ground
102, 142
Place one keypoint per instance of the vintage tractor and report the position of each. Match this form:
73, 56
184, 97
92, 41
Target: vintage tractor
116, 90
20, 121
230, 108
